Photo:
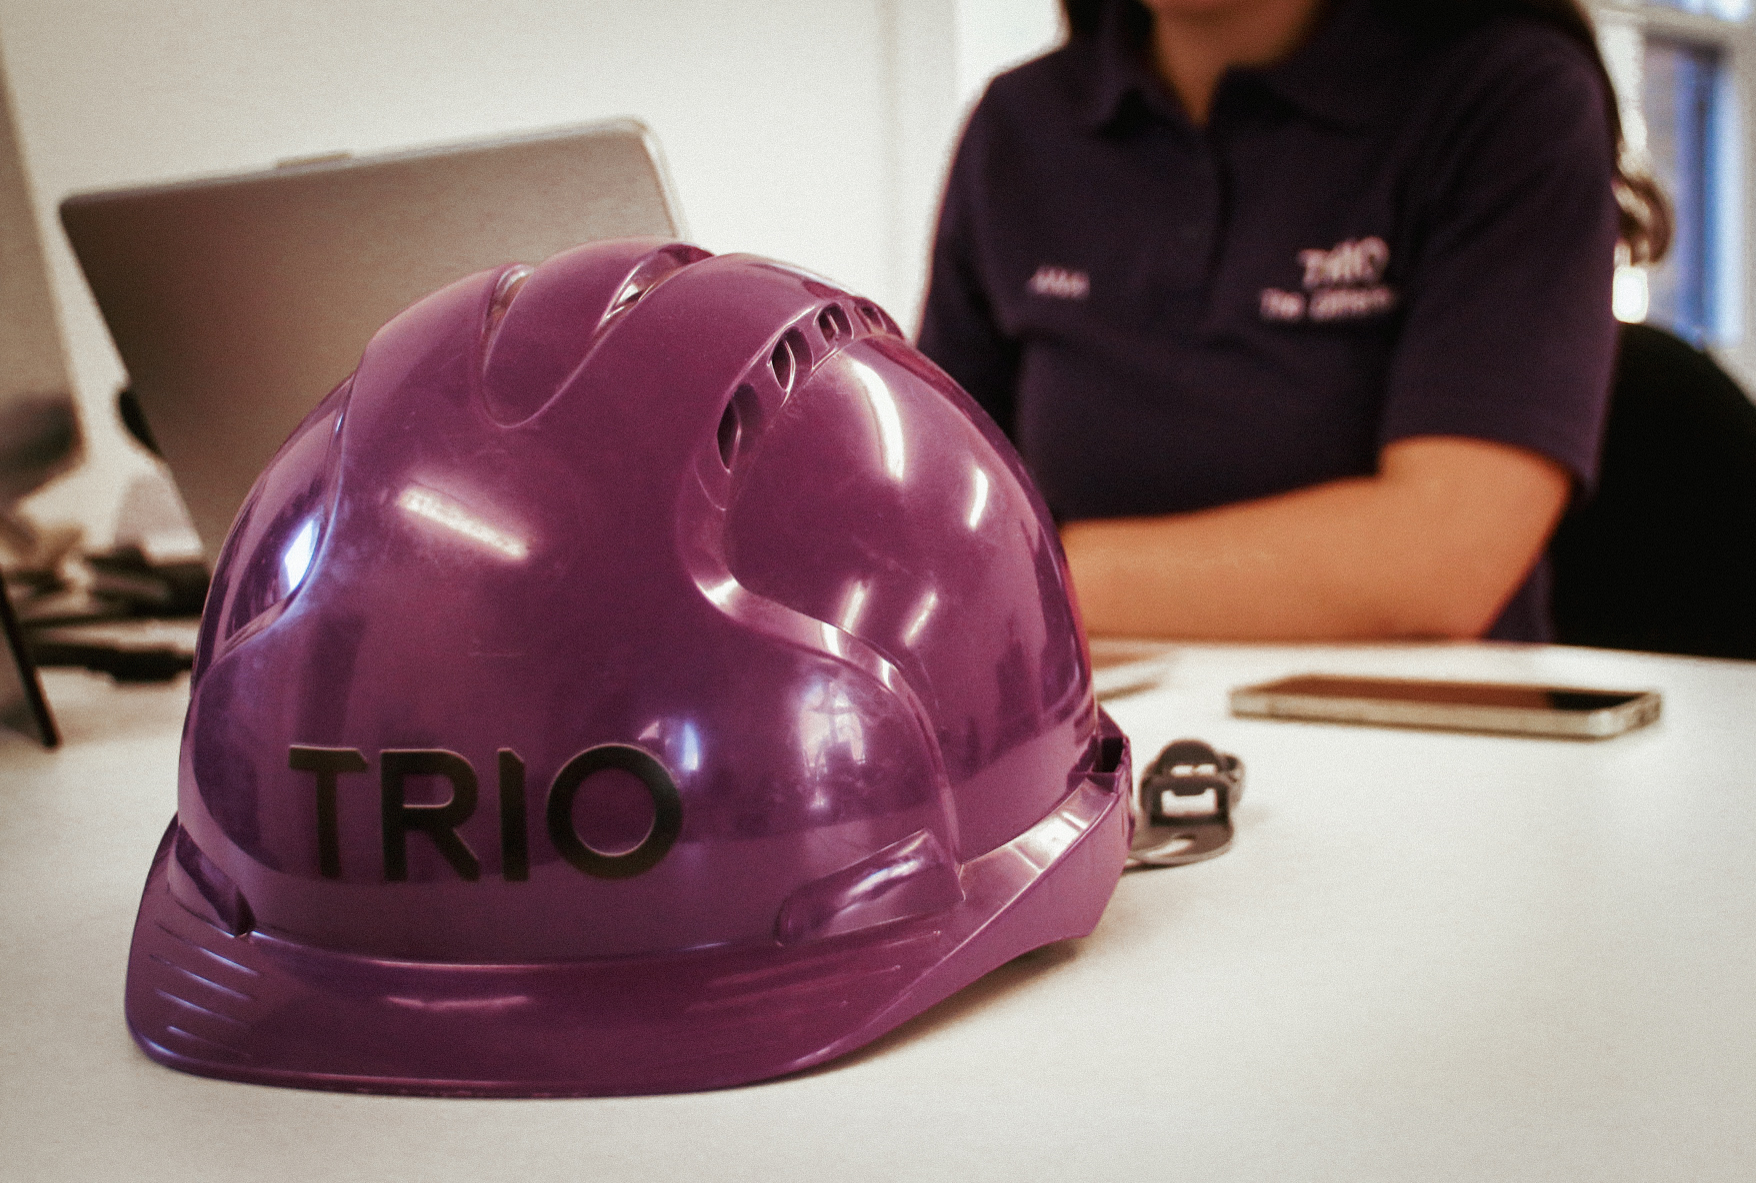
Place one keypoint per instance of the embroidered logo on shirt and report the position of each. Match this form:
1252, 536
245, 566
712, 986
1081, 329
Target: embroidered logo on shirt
1059, 283
1341, 283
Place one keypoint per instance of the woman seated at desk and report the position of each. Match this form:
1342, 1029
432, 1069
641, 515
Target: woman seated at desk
1299, 311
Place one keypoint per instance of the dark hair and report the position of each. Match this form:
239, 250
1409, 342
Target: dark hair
1645, 213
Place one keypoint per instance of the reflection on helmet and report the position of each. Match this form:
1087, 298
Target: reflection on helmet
645, 673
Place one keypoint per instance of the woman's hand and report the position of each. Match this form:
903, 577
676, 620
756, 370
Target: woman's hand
1433, 545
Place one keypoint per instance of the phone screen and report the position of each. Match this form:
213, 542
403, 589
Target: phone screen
1482, 694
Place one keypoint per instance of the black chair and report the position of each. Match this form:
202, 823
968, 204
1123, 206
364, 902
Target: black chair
1663, 557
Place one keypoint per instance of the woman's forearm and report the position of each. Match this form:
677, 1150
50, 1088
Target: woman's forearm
1432, 545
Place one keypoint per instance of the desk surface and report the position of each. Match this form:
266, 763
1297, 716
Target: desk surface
1428, 957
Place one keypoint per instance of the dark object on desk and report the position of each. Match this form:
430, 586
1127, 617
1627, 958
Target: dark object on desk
1663, 557
128, 651
136, 621
122, 584
22, 705
149, 589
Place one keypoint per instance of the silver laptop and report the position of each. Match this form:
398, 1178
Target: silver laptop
238, 302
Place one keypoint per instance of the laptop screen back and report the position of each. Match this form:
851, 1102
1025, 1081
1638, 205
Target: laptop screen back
237, 303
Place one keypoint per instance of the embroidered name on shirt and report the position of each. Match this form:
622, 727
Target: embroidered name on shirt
1342, 283
1059, 283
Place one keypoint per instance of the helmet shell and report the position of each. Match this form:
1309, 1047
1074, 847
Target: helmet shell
634, 652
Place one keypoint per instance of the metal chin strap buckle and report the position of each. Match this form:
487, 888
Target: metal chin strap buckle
1169, 837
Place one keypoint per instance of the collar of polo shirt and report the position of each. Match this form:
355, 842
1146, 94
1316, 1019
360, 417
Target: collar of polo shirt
1340, 76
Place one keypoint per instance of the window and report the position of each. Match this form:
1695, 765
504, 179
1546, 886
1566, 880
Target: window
1728, 10
1677, 66
1680, 94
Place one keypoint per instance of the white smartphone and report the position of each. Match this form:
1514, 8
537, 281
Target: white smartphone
1563, 711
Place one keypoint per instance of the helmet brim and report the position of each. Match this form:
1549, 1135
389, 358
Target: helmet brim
263, 1008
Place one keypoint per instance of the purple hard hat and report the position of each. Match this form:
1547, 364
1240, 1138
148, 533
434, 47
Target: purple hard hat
646, 673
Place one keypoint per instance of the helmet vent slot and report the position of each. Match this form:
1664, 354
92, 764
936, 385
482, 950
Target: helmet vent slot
652, 271
875, 318
505, 291
833, 323
728, 433
742, 416
791, 358
627, 298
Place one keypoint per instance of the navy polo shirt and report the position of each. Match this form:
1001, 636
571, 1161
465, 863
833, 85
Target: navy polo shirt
1380, 237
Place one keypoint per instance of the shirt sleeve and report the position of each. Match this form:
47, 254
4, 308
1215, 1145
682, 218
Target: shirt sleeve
1507, 332
959, 330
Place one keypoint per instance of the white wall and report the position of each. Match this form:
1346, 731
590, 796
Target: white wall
815, 133
992, 35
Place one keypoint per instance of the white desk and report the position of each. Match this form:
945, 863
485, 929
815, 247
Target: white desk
1428, 957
